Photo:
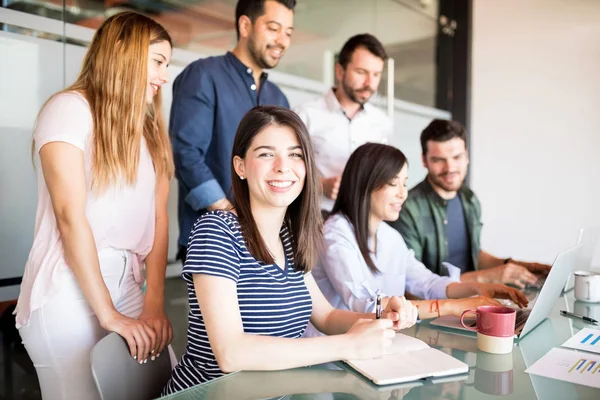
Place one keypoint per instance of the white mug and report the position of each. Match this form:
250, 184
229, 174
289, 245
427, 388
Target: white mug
587, 286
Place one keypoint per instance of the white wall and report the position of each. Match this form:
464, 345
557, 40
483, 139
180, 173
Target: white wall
535, 124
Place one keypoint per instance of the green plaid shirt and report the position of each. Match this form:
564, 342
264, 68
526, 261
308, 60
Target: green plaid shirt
423, 220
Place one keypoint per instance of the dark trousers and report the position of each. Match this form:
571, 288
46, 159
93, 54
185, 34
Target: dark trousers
181, 254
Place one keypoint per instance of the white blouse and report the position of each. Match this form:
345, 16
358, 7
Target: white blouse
347, 282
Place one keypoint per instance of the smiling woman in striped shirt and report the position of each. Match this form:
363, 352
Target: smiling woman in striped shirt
250, 288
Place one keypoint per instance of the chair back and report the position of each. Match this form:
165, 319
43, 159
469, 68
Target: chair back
118, 376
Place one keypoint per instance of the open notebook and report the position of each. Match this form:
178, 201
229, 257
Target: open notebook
408, 359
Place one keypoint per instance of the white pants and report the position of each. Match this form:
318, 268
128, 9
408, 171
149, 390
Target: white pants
59, 336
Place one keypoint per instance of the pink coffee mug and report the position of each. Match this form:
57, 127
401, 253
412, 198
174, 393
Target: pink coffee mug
496, 321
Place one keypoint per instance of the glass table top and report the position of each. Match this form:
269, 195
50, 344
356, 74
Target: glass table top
489, 376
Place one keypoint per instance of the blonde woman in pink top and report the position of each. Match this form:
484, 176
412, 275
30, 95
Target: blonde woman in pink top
104, 162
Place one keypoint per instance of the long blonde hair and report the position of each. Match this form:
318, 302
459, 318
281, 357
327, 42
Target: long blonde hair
113, 79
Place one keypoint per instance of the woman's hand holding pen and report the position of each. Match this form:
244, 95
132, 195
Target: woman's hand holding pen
370, 338
401, 311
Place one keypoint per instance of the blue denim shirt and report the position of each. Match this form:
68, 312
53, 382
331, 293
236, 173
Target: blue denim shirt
210, 97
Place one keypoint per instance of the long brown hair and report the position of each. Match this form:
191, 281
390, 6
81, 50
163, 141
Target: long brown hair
371, 166
303, 216
113, 79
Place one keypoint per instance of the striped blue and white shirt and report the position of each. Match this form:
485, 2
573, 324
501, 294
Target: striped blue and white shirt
273, 301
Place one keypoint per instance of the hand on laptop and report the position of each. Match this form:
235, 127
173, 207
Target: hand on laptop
499, 291
510, 274
535, 268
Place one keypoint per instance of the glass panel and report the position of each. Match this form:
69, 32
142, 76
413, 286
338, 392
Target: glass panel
31, 69
53, 9
407, 28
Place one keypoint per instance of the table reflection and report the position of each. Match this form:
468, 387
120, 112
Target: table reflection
489, 374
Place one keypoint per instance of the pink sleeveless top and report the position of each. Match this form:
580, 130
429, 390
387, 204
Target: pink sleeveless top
123, 217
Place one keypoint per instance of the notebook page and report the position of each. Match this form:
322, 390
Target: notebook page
409, 366
402, 343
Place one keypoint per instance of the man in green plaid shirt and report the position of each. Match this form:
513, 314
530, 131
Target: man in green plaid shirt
441, 219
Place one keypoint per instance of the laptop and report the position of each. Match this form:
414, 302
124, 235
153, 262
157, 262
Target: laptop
529, 318
588, 237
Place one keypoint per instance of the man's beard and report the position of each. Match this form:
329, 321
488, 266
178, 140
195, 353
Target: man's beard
437, 181
353, 93
260, 59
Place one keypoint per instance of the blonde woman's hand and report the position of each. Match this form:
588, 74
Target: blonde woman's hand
401, 311
158, 321
138, 334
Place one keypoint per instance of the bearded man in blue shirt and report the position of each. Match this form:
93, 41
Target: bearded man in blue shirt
211, 96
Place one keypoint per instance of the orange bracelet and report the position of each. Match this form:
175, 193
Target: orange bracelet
437, 307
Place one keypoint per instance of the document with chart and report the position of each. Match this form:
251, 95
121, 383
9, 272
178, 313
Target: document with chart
586, 339
568, 365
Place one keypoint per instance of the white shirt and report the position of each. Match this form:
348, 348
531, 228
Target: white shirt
335, 137
347, 282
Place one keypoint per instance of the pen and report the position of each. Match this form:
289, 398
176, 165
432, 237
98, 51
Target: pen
378, 307
583, 317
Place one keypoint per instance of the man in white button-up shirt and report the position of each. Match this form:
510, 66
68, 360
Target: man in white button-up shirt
342, 119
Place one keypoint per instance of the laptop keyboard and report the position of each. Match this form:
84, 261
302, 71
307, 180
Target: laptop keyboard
521, 317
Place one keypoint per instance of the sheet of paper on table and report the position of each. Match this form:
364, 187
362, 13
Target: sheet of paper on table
586, 339
568, 365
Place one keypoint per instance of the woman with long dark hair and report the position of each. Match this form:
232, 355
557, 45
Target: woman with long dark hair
362, 257
247, 269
